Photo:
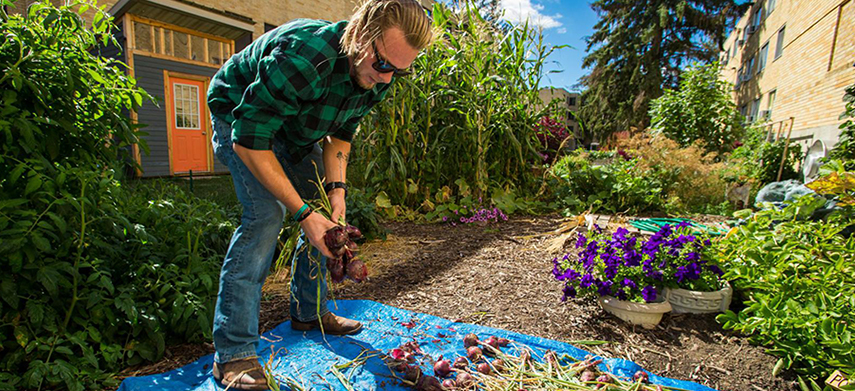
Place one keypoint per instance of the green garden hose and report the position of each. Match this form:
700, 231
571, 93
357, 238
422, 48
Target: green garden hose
655, 224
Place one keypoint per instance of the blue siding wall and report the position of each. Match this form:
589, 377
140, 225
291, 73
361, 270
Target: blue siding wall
149, 74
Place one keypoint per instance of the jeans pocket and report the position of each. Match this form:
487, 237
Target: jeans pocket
221, 140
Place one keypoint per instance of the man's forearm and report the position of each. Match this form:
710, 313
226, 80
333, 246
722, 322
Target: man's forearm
336, 154
266, 168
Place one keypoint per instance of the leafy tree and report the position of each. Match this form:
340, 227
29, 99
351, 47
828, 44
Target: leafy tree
639, 48
700, 110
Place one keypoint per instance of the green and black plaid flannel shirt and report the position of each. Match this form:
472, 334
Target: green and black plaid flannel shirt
292, 84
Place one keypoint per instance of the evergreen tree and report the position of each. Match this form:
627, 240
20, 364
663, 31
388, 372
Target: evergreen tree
639, 48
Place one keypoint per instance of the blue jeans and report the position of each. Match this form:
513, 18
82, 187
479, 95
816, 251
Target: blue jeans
250, 252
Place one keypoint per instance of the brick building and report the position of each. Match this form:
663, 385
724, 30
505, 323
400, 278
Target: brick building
571, 102
790, 62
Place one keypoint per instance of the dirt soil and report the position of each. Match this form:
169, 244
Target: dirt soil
499, 275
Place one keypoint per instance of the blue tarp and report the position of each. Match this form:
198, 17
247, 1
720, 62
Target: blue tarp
307, 358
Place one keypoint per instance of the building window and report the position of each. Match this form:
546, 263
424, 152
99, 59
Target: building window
155, 38
758, 17
771, 103
770, 6
755, 110
268, 27
779, 47
572, 101
186, 106
761, 62
749, 68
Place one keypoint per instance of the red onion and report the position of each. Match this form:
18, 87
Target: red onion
397, 354
428, 383
461, 363
492, 341
504, 342
442, 368
449, 384
356, 270
484, 368
499, 365
587, 376
470, 340
474, 353
641, 376
353, 232
464, 380
603, 380
412, 373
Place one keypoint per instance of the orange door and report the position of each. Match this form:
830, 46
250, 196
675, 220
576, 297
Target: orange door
186, 121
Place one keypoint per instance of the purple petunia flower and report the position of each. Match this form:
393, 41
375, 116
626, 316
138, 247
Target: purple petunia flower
693, 256
586, 281
620, 234
648, 293
569, 275
628, 283
604, 288
582, 241
569, 291
707, 242
715, 269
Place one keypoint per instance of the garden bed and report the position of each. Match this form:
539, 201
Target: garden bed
500, 276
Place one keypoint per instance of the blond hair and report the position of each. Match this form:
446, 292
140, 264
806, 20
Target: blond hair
374, 17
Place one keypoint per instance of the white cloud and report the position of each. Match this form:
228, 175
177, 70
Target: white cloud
518, 11
562, 30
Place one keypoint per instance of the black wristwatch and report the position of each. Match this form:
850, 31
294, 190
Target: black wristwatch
335, 185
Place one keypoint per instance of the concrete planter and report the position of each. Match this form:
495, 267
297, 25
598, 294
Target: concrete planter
647, 315
695, 302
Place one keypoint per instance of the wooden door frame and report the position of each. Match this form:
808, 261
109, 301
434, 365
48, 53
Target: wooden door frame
204, 117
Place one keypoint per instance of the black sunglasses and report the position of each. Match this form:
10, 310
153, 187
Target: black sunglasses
383, 66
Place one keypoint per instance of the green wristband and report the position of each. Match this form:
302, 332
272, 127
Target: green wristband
300, 212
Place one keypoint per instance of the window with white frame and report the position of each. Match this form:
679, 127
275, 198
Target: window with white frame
186, 106
755, 110
770, 6
779, 46
770, 104
758, 17
761, 61
749, 68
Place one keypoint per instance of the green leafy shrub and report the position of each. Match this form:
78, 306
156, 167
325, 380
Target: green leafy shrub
845, 147
362, 213
619, 187
797, 280
757, 161
700, 110
98, 277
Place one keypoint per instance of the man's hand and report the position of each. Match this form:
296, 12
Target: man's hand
315, 226
339, 206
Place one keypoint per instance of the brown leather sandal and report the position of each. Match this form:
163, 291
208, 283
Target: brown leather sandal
333, 325
244, 374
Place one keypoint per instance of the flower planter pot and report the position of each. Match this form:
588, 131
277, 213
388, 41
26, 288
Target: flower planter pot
695, 302
647, 315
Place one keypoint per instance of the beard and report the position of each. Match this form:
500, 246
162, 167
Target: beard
363, 84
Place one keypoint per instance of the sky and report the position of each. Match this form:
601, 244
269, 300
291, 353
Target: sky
564, 22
